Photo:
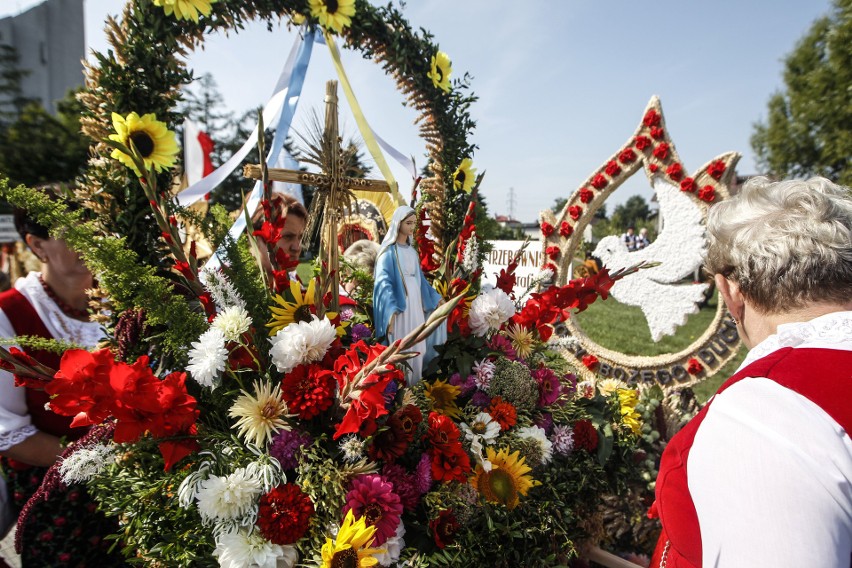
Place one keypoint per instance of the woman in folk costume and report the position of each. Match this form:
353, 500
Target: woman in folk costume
64, 531
762, 476
402, 297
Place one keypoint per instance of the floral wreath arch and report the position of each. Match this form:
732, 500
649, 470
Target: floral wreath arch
144, 70
651, 149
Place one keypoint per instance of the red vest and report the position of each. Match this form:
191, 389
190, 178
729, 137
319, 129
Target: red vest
823, 376
26, 321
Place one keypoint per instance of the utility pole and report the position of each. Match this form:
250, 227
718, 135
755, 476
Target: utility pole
510, 202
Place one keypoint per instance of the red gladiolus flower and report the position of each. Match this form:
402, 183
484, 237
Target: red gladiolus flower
546, 229
586, 195
444, 528
553, 252
641, 142
627, 156
612, 169
707, 193
575, 211
657, 133
590, 361
694, 367
585, 436
506, 279
599, 181
688, 184
652, 118
268, 233
503, 413
183, 268
565, 229
716, 169
675, 171
661, 152
284, 514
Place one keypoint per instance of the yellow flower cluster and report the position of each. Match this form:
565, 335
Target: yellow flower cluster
628, 399
185, 9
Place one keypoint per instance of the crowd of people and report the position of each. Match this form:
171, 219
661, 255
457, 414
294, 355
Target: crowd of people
761, 477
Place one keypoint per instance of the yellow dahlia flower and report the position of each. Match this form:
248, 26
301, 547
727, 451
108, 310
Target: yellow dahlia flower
155, 143
185, 9
507, 481
465, 176
351, 547
333, 14
441, 70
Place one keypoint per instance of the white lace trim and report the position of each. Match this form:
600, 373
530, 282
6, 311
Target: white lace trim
15, 437
80, 332
830, 330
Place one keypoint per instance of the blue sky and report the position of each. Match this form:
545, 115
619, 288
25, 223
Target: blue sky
562, 84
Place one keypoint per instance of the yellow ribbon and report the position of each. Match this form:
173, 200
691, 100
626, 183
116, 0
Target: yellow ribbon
385, 202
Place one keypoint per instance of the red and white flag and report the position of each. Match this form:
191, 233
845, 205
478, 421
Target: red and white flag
197, 146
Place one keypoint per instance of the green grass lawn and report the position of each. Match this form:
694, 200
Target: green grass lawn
623, 328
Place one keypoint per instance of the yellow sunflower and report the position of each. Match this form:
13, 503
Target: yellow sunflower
334, 14
155, 143
443, 396
522, 339
301, 308
441, 70
185, 9
507, 480
465, 176
627, 399
351, 547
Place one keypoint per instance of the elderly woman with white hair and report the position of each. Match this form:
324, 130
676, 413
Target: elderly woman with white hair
762, 476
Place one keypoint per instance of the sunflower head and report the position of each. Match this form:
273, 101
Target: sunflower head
507, 480
155, 144
443, 396
333, 14
296, 307
185, 9
440, 72
464, 176
351, 547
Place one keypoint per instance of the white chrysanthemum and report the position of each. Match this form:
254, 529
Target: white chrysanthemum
222, 291
537, 434
233, 321
260, 415
609, 386
240, 549
301, 342
86, 463
491, 309
392, 547
207, 358
228, 498
563, 439
483, 371
353, 448
482, 425
470, 257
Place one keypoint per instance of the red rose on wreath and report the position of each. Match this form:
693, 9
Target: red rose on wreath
586, 195
599, 181
627, 156
652, 118
552, 252
546, 229
590, 361
716, 169
694, 367
642, 142
653, 168
612, 169
565, 229
707, 193
657, 133
688, 184
575, 211
675, 171
661, 152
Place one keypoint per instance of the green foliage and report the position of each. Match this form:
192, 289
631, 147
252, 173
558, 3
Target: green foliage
808, 130
40, 343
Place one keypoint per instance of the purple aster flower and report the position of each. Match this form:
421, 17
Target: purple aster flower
423, 474
285, 446
563, 439
480, 399
346, 314
360, 331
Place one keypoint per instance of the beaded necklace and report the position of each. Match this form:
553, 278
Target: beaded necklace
66, 309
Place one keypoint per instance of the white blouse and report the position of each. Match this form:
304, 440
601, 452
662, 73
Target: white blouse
770, 472
15, 423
